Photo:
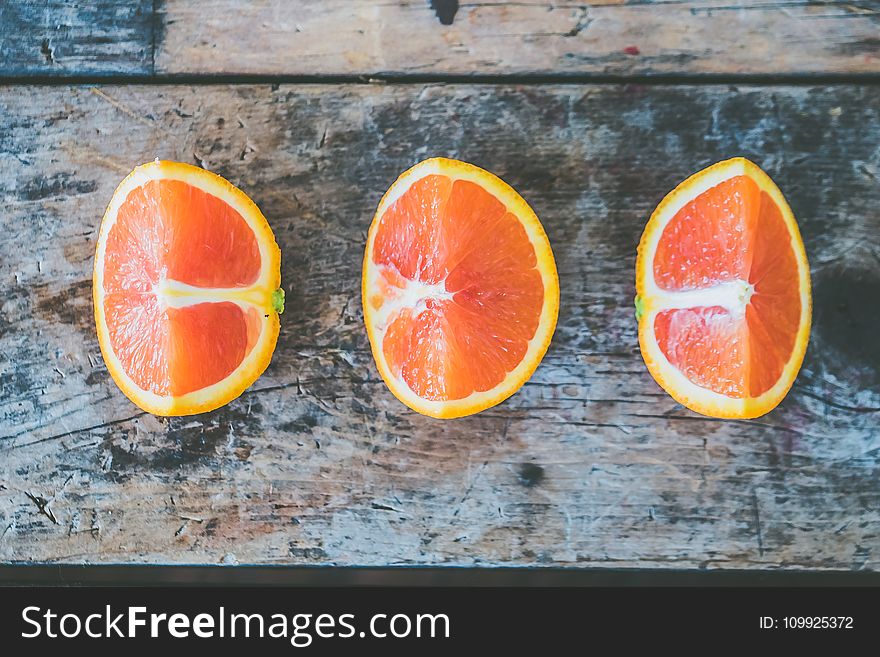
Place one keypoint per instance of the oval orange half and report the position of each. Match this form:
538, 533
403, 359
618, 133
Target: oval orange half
460, 291
186, 289
723, 290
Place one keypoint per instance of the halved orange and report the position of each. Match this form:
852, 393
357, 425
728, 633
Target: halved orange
186, 289
460, 291
723, 289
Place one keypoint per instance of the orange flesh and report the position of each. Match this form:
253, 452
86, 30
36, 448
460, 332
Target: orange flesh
731, 232
474, 324
169, 230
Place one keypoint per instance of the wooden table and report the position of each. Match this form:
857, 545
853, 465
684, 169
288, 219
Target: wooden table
593, 112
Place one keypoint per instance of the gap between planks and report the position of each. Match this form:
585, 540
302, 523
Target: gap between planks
687, 79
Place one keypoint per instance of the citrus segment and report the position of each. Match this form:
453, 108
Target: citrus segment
708, 345
185, 288
707, 241
724, 285
460, 289
175, 351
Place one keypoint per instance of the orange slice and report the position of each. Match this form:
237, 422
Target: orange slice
724, 292
186, 289
460, 290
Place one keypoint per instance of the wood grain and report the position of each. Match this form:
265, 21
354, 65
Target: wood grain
590, 464
444, 37
498, 37
63, 38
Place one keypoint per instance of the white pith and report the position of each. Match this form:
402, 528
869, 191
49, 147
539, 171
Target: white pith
733, 296
174, 294
413, 296
707, 182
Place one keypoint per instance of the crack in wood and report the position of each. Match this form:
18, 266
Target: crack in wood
43, 506
757, 515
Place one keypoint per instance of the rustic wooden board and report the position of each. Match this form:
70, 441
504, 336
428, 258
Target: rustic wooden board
438, 37
62, 38
526, 36
590, 464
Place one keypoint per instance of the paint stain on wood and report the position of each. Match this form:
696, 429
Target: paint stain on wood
47, 51
531, 474
71, 305
97, 376
183, 447
61, 185
445, 10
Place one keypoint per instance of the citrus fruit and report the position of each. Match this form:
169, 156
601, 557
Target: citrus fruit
724, 292
460, 290
186, 289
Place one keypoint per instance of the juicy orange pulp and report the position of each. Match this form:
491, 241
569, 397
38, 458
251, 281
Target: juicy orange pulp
464, 272
732, 236
169, 232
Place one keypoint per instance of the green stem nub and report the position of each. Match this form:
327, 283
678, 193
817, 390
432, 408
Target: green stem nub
278, 300
640, 308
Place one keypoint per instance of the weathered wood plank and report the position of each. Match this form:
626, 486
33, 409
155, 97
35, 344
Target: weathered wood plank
63, 38
418, 37
365, 37
590, 464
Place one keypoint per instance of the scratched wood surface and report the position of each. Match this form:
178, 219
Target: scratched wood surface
590, 464
64, 38
431, 37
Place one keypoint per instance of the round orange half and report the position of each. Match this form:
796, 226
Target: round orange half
723, 289
186, 289
460, 290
